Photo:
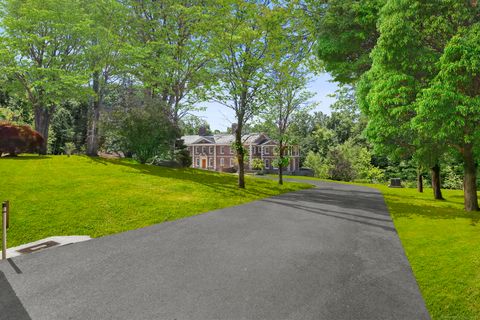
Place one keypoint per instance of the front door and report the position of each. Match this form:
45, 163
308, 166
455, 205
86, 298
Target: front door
204, 163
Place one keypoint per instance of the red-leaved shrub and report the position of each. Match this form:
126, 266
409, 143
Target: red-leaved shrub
15, 139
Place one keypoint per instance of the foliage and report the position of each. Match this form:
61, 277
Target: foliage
171, 50
361, 162
453, 97
258, 164
145, 132
346, 162
248, 38
41, 51
191, 125
15, 139
340, 168
346, 33
452, 179
69, 148
61, 131
97, 197
413, 36
182, 155
317, 163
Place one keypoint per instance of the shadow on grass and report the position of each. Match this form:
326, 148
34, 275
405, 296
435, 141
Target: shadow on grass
222, 183
431, 209
28, 157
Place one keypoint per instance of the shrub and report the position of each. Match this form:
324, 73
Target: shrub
69, 148
146, 133
258, 164
16, 139
452, 180
315, 162
340, 168
182, 156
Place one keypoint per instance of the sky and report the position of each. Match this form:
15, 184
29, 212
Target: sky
220, 117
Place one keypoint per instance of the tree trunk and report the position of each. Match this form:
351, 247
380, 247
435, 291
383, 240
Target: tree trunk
280, 164
469, 179
42, 124
437, 192
240, 157
420, 182
92, 139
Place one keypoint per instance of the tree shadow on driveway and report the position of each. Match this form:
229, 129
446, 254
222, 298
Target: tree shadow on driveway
359, 206
10, 305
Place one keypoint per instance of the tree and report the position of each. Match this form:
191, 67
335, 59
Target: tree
139, 121
244, 56
450, 107
289, 76
42, 45
346, 33
171, 51
193, 125
413, 34
105, 43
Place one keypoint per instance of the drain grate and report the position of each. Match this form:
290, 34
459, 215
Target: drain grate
38, 247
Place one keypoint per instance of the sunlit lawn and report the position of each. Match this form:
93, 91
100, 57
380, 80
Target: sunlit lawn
59, 195
442, 243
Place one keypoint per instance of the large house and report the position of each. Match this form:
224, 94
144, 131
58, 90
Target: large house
215, 152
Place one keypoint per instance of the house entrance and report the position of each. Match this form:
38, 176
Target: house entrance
204, 163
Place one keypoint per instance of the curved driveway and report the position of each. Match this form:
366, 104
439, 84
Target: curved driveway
330, 252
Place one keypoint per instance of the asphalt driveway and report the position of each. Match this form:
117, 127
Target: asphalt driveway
326, 253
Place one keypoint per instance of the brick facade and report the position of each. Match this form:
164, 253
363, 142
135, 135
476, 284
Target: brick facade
215, 152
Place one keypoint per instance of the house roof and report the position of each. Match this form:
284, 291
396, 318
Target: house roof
226, 139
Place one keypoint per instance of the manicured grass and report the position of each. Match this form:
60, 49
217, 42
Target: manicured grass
59, 195
442, 243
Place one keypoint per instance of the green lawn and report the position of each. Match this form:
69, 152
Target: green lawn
59, 195
442, 243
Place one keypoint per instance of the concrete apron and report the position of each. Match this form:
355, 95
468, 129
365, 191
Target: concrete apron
43, 244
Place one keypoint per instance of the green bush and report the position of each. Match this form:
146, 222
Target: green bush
146, 132
346, 162
340, 168
258, 164
317, 163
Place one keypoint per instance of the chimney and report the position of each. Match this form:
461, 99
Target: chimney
202, 131
234, 128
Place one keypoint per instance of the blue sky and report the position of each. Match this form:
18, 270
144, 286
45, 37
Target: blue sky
220, 117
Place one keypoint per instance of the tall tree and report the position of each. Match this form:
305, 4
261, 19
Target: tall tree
103, 58
289, 74
288, 97
346, 33
450, 108
244, 45
413, 34
42, 44
171, 50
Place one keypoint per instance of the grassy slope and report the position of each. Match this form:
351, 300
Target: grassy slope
442, 243
88, 196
